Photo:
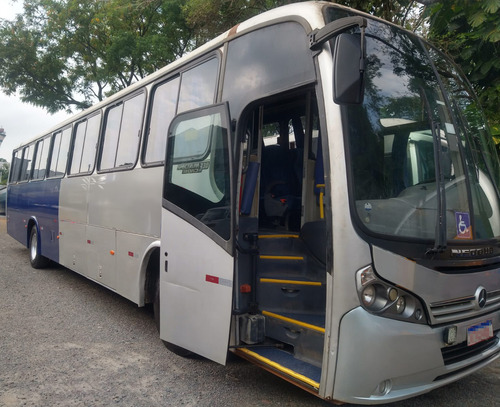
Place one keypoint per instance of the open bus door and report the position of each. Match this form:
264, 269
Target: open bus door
196, 273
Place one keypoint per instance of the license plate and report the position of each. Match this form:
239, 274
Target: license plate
479, 333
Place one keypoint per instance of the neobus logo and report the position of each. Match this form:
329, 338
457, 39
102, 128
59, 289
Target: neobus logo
484, 251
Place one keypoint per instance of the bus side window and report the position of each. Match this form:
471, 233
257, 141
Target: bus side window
27, 163
198, 86
42, 154
162, 113
122, 134
90, 145
60, 149
84, 145
16, 165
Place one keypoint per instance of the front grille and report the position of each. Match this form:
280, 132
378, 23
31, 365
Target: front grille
457, 353
462, 308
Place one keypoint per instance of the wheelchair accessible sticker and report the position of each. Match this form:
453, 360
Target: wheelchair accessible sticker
463, 225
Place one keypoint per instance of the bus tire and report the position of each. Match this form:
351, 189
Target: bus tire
156, 305
36, 259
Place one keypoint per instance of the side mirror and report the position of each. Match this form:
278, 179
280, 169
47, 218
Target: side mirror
348, 69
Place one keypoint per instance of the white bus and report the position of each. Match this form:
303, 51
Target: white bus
314, 190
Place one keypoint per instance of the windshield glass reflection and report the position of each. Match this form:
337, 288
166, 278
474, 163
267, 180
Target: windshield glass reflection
422, 165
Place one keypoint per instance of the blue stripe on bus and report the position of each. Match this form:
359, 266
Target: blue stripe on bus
35, 200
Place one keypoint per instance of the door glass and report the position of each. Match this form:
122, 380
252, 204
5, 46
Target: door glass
197, 177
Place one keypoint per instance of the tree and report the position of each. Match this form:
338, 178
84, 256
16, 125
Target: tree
4, 171
469, 31
61, 54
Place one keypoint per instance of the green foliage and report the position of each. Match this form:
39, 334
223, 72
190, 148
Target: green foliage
4, 171
469, 31
61, 54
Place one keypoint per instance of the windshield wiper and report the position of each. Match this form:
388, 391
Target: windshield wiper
440, 242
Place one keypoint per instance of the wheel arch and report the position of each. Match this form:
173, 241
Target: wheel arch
32, 222
149, 274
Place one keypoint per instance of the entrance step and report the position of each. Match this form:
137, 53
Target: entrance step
288, 277
303, 332
282, 295
285, 365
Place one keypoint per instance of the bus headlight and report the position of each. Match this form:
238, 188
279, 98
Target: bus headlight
383, 299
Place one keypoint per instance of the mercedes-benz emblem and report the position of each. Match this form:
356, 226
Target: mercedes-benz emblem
481, 297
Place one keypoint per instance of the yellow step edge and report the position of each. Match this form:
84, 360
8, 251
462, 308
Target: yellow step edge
281, 368
283, 236
268, 257
294, 321
295, 282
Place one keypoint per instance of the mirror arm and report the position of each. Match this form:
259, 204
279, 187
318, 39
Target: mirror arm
318, 37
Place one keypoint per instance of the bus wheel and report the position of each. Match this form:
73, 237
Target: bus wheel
36, 259
156, 305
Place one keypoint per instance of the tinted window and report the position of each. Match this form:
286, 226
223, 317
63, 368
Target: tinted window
197, 176
130, 132
90, 146
42, 154
27, 162
78, 142
59, 156
84, 146
198, 86
162, 113
16, 165
111, 134
122, 134
264, 62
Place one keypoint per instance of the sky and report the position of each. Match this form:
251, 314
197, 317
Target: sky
21, 121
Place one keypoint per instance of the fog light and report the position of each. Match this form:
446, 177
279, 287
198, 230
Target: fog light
392, 294
368, 295
450, 335
383, 388
418, 314
400, 305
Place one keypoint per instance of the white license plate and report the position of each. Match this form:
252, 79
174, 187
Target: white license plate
479, 333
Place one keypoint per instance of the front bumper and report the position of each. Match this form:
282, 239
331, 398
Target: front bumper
382, 360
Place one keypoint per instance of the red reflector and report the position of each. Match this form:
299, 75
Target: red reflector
245, 288
89, 242
131, 254
212, 279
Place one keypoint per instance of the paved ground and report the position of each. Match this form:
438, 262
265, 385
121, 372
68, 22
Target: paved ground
65, 341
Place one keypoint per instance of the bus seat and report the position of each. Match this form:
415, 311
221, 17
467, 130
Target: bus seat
275, 180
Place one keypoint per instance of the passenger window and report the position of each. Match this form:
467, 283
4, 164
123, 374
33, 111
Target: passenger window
198, 86
130, 132
42, 154
16, 165
78, 143
162, 113
122, 134
197, 177
27, 163
84, 145
90, 146
59, 156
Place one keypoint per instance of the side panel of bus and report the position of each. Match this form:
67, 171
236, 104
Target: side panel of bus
31, 204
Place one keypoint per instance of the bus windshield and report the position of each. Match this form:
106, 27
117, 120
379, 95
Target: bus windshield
422, 164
